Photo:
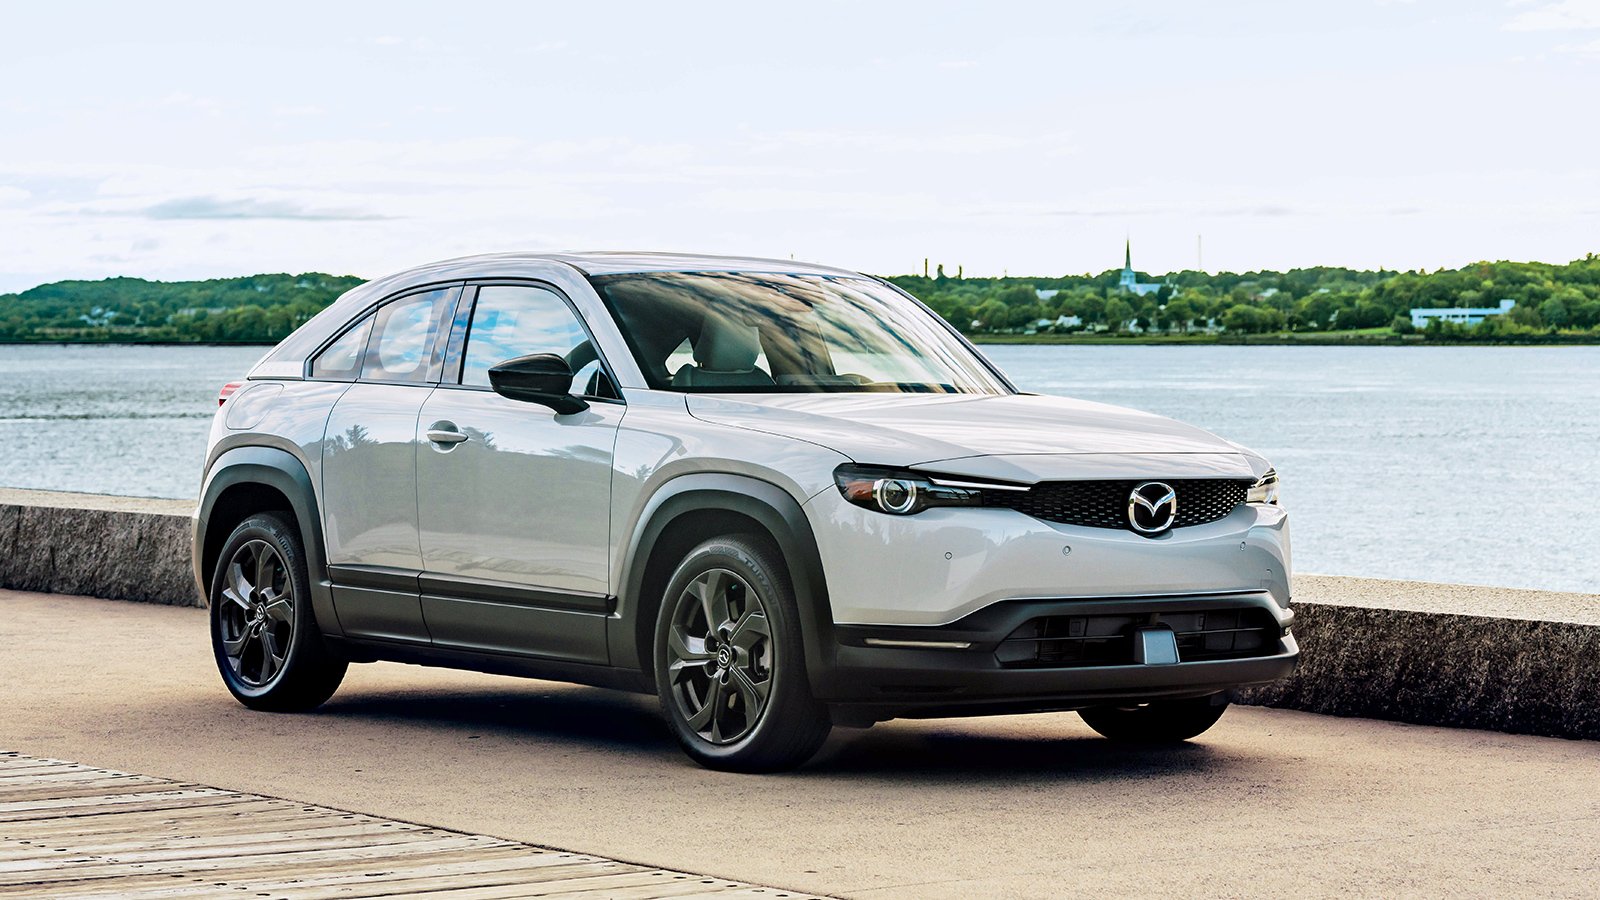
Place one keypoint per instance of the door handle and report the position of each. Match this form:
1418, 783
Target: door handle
445, 433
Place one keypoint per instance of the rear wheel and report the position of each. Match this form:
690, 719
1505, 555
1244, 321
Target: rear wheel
1158, 722
263, 632
729, 664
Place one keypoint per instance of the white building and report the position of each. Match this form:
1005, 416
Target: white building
1461, 315
1129, 283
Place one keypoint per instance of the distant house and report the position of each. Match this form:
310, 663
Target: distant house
1046, 293
1461, 315
1129, 283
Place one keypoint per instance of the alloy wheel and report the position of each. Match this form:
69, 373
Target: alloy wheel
257, 619
720, 656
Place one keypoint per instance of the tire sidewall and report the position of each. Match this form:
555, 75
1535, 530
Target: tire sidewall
790, 687
284, 539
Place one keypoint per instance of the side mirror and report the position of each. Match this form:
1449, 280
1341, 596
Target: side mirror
542, 378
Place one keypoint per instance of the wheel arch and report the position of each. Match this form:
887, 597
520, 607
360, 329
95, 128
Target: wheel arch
244, 481
691, 509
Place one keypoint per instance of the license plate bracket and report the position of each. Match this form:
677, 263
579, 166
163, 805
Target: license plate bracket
1155, 645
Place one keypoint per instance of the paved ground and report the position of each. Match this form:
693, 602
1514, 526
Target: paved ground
69, 830
1267, 802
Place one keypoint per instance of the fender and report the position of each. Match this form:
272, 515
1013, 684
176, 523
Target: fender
281, 470
762, 501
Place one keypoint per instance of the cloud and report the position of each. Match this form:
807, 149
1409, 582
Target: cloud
1591, 48
1565, 15
208, 207
1262, 211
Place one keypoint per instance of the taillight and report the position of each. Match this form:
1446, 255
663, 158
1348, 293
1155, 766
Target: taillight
227, 391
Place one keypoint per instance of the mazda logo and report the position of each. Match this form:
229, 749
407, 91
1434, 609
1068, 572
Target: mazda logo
1152, 507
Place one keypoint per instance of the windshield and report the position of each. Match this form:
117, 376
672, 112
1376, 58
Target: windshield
743, 332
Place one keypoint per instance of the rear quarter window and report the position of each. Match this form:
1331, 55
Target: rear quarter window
341, 360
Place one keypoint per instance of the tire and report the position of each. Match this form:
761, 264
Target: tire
729, 664
264, 634
1159, 722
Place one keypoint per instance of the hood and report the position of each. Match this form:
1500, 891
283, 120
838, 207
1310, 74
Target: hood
1023, 437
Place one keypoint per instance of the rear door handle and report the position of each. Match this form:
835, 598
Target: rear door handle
445, 433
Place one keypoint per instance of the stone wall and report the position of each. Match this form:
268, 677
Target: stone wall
121, 548
1434, 654
1442, 654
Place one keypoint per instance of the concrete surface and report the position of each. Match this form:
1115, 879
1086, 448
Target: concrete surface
124, 548
1268, 802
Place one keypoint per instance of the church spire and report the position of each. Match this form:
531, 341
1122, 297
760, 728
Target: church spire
1127, 255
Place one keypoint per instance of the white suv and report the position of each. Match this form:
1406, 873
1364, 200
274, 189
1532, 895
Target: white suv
780, 496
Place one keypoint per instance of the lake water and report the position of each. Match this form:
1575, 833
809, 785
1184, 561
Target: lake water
1465, 464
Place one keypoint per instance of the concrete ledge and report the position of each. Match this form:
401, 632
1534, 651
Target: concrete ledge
1445, 654
122, 548
1433, 654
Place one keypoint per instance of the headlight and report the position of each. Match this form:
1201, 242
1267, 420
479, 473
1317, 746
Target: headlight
1265, 490
898, 492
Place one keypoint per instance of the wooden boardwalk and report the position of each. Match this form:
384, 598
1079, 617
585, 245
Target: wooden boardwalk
69, 830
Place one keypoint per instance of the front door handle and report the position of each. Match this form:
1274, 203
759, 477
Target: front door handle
445, 433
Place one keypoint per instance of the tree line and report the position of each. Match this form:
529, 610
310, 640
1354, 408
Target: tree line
1551, 301
1549, 297
252, 309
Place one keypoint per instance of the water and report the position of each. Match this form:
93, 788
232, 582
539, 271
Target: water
1464, 464
111, 419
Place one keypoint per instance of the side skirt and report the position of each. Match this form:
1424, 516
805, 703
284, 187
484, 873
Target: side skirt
492, 663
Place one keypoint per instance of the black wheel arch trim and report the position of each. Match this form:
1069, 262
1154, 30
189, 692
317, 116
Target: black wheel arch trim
775, 509
284, 472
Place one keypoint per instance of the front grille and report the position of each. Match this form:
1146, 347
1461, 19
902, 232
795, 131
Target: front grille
1104, 504
1107, 640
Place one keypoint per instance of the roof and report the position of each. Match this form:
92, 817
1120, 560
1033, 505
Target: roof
615, 262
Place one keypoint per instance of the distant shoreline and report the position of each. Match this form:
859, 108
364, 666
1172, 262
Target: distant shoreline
1286, 339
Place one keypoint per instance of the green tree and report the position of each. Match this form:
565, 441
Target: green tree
1554, 312
1117, 313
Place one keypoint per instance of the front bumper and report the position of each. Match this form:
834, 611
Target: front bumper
941, 565
873, 676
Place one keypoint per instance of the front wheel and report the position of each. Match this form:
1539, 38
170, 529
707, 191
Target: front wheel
729, 664
1158, 722
263, 632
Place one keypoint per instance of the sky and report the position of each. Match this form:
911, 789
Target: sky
171, 140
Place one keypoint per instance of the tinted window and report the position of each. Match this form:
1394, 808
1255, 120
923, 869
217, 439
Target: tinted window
341, 361
509, 321
405, 333
735, 331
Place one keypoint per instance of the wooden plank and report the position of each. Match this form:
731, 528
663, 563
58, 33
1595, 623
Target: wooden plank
277, 846
432, 874
235, 815
680, 885
42, 769
746, 892
158, 792
8, 778
220, 866
132, 805
268, 839
468, 877
73, 790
